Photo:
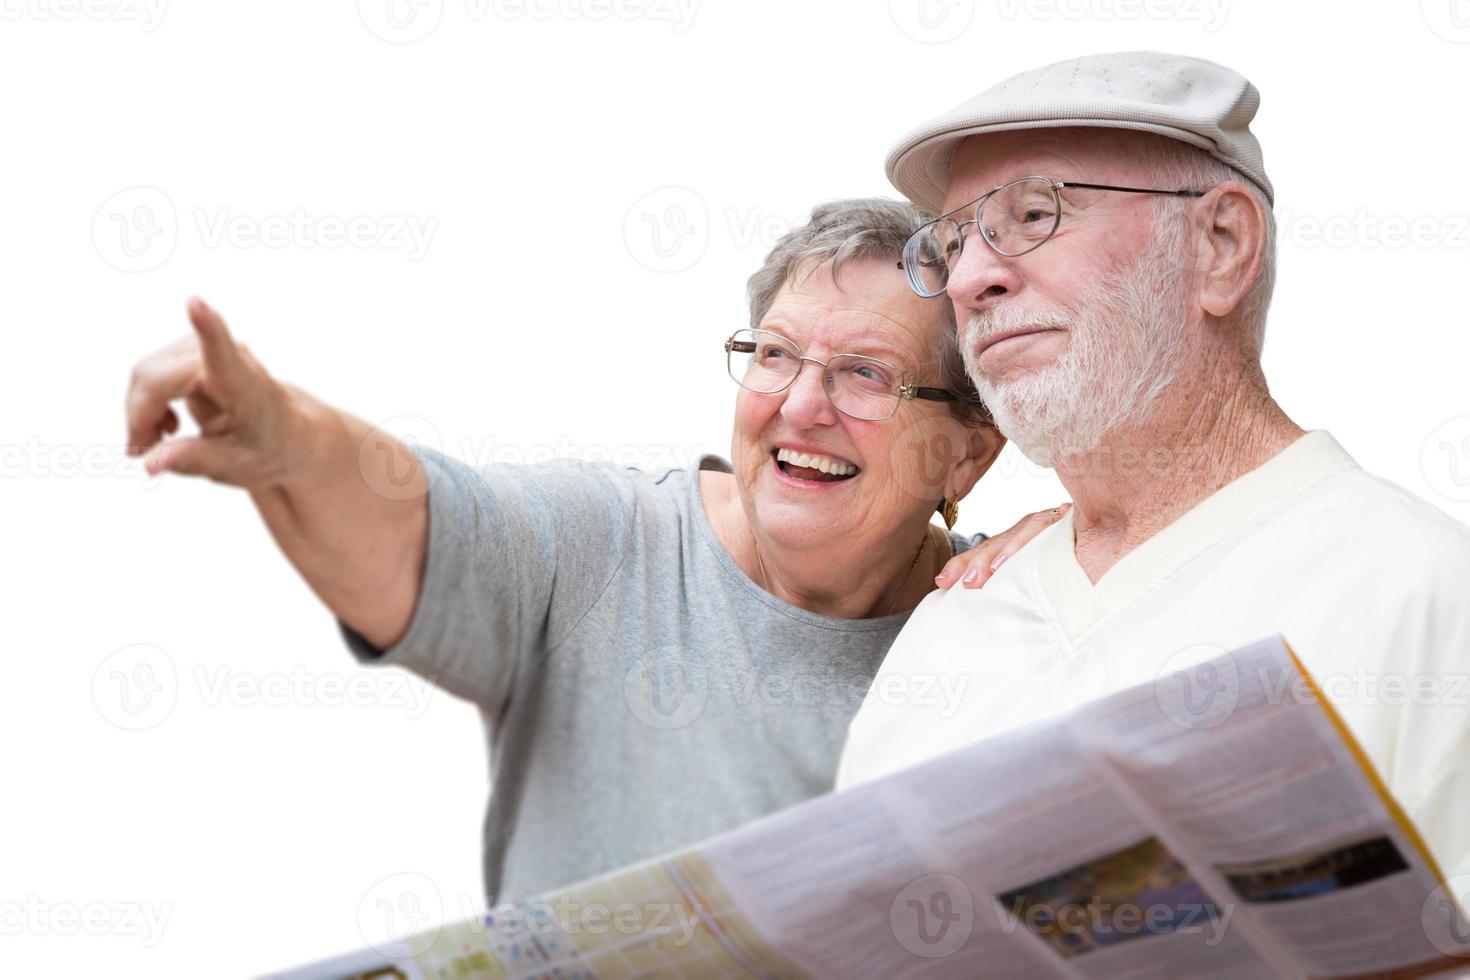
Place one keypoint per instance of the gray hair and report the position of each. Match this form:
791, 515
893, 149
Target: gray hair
862, 228
1178, 164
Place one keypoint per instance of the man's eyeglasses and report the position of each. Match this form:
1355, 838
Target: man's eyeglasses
861, 387
1013, 219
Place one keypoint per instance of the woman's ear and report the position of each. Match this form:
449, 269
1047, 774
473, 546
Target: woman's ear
985, 444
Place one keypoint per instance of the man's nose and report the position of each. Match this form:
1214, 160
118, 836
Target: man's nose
981, 275
806, 401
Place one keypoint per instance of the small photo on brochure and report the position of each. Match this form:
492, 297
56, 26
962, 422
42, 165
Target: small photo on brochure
1138, 891
1316, 872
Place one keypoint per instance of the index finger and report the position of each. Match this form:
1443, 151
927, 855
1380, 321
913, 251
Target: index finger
222, 358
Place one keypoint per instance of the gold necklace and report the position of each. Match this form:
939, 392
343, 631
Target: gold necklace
766, 582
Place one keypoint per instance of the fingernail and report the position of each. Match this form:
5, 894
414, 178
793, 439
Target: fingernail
998, 562
971, 576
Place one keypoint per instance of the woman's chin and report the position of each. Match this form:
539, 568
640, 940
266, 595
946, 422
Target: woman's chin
800, 526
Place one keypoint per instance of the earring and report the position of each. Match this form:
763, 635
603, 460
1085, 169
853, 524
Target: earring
950, 511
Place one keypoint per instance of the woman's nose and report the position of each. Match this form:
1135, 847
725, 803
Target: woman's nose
806, 401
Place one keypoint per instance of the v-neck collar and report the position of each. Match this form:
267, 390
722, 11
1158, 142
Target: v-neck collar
1082, 606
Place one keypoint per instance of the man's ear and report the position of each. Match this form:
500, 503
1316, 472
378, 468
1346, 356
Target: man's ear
1233, 248
985, 444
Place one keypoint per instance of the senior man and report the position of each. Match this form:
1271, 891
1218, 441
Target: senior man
1107, 241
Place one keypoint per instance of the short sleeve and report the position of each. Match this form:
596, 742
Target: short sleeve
959, 544
516, 556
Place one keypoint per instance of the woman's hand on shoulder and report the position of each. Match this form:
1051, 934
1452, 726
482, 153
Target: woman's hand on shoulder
973, 568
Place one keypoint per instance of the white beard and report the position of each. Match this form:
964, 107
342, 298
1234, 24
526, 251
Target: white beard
1127, 343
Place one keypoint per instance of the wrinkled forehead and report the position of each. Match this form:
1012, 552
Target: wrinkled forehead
870, 305
1094, 155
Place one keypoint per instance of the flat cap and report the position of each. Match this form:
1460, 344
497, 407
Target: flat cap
1189, 99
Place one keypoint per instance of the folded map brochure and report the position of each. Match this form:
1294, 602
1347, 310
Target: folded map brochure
1151, 833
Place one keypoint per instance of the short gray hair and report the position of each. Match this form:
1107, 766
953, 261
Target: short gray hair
1180, 165
862, 228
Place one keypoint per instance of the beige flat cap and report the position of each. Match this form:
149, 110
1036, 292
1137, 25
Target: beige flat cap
1189, 99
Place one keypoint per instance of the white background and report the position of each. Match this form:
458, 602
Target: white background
170, 747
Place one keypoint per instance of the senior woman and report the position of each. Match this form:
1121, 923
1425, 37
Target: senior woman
657, 657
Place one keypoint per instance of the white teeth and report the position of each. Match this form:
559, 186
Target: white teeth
823, 463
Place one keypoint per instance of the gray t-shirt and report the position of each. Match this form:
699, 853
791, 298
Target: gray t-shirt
640, 693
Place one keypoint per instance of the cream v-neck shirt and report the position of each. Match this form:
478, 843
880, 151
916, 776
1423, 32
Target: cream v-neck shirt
1369, 584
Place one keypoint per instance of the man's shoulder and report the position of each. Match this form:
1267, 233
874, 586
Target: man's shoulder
1384, 515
